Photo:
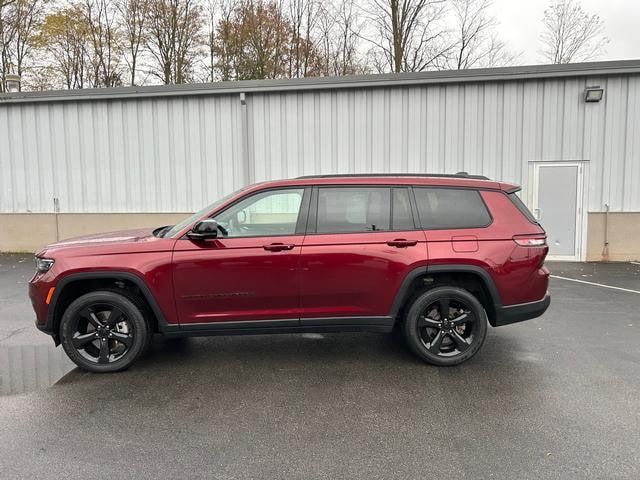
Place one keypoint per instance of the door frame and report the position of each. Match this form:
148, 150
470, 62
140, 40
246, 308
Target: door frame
205, 251
581, 201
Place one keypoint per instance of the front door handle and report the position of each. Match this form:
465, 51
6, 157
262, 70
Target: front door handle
402, 243
278, 247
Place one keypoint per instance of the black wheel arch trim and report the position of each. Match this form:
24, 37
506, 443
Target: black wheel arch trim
402, 295
101, 275
404, 291
474, 269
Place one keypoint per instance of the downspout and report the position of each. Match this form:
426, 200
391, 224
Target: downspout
56, 211
248, 164
605, 248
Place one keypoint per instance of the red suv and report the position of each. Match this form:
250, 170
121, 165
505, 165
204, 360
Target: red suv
433, 256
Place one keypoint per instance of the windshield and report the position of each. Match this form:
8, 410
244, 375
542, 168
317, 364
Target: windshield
189, 220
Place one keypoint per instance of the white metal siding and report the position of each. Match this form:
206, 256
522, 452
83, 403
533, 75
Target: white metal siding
161, 155
176, 154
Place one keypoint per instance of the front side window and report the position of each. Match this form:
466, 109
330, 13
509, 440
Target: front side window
170, 232
353, 209
441, 208
268, 213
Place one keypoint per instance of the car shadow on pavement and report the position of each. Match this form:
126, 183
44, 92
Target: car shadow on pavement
283, 368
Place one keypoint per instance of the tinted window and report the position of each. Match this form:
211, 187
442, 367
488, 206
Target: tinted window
353, 209
269, 213
402, 219
522, 207
451, 208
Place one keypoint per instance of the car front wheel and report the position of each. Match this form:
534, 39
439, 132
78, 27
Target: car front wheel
104, 331
445, 326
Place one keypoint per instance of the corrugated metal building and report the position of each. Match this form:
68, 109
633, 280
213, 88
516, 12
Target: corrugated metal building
144, 156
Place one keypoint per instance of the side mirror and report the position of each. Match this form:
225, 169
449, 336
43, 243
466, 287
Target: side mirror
204, 230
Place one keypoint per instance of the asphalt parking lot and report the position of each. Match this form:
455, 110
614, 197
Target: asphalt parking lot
554, 397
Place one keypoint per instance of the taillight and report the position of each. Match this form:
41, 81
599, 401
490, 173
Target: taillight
530, 240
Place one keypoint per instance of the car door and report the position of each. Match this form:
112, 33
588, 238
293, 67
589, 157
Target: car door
359, 248
248, 273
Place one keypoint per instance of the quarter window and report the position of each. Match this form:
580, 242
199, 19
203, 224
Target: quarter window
441, 208
353, 209
515, 199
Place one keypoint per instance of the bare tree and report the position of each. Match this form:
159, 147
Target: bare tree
302, 57
212, 10
173, 38
571, 34
42, 76
477, 43
325, 41
412, 35
133, 15
27, 18
222, 43
106, 50
6, 37
339, 35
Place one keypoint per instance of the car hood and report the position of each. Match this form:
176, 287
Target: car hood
109, 238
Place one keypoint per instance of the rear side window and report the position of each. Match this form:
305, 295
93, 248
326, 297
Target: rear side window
353, 209
441, 208
515, 199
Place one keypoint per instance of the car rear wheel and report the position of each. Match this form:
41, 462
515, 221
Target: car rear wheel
104, 331
445, 326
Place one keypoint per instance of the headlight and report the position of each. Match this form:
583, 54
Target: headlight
43, 264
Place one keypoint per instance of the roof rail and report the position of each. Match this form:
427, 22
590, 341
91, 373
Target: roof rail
437, 175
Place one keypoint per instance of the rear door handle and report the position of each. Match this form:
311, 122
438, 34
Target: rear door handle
278, 247
402, 243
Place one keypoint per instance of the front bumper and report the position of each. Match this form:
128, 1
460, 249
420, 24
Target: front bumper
506, 315
39, 287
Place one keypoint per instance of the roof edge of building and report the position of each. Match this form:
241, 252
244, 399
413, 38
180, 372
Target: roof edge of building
528, 72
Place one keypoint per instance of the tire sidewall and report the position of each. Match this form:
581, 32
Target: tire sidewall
134, 315
424, 300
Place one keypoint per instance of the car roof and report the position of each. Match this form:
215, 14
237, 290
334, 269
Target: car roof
433, 180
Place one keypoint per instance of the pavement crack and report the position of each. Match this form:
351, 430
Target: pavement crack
15, 332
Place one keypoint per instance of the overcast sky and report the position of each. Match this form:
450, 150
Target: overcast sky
521, 22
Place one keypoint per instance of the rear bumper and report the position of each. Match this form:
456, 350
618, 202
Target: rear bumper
506, 315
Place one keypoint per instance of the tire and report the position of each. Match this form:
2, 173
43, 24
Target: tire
95, 341
448, 340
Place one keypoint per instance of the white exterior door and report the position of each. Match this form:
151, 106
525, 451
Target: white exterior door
558, 197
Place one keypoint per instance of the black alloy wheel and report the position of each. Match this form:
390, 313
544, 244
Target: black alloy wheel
103, 331
446, 326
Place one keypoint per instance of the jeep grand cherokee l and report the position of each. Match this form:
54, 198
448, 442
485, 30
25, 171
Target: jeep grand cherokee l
436, 257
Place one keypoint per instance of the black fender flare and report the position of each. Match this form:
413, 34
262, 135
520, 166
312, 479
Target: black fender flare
403, 292
115, 275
